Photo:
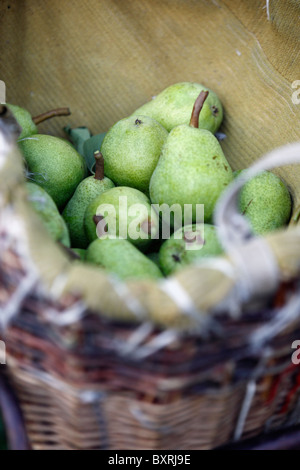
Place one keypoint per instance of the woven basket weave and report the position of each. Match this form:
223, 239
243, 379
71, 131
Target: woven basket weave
204, 357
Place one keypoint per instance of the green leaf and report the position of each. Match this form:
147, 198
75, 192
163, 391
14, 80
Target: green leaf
78, 136
85, 143
89, 147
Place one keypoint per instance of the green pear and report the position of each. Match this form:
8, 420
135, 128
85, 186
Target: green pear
265, 201
173, 106
188, 244
28, 123
124, 212
46, 209
24, 119
54, 164
192, 169
131, 150
85, 192
122, 258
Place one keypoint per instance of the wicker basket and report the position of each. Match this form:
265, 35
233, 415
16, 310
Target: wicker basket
202, 358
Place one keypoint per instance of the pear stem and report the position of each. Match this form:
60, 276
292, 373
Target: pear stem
99, 169
52, 113
194, 122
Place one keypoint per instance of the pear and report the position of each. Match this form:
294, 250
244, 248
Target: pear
265, 201
173, 106
54, 164
192, 169
124, 212
24, 119
28, 123
85, 192
131, 150
120, 257
45, 207
188, 244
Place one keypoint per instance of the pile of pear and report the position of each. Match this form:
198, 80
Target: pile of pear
165, 153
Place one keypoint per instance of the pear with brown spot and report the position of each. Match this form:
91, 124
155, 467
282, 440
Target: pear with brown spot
187, 245
192, 168
123, 212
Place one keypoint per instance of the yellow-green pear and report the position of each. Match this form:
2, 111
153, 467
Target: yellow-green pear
131, 149
45, 207
24, 119
85, 192
187, 245
122, 212
122, 258
265, 201
192, 169
28, 123
54, 164
173, 106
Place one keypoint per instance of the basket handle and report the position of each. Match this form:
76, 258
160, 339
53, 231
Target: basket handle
251, 254
12, 417
233, 227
